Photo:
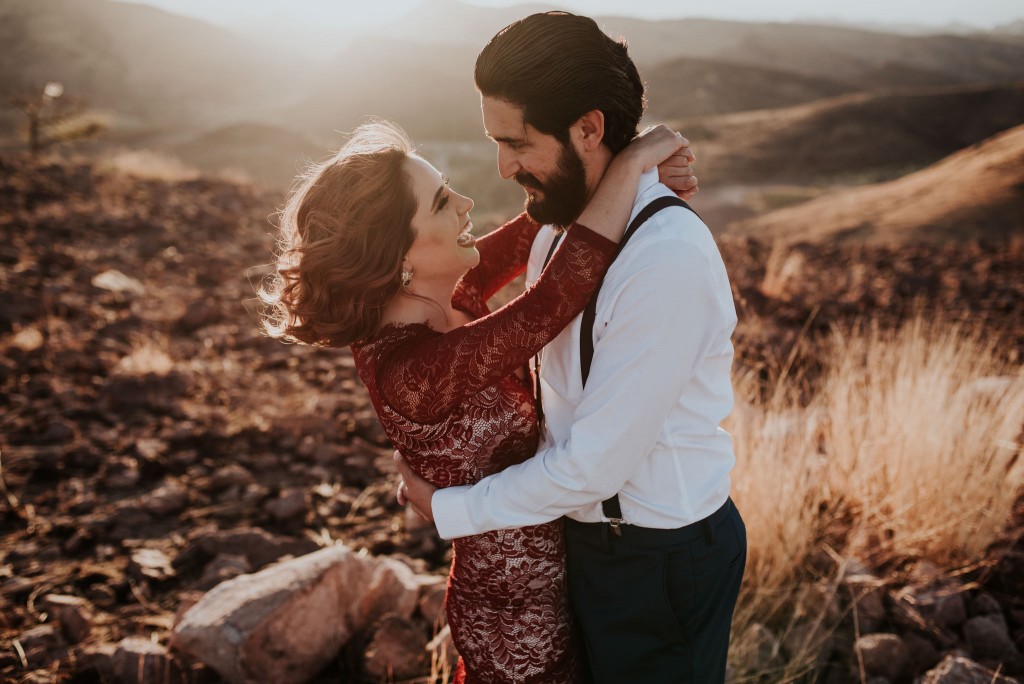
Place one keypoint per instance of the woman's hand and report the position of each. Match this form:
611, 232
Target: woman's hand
668, 150
607, 212
655, 145
676, 172
414, 490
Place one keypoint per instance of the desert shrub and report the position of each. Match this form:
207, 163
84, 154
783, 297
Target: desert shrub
908, 449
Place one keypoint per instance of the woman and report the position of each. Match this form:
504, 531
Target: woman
377, 254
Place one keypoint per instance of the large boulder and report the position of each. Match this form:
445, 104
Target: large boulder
287, 622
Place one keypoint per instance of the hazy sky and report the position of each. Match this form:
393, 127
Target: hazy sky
982, 13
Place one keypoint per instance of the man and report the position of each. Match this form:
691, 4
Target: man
654, 592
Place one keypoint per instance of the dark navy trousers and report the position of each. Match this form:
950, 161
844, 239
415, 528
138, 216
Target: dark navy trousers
656, 606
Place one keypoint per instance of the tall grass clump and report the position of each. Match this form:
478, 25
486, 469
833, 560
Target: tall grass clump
907, 447
923, 440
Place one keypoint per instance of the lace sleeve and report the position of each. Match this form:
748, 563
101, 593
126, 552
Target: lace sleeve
425, 378
503, 256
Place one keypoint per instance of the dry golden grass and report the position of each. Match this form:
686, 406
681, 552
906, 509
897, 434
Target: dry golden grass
910, 449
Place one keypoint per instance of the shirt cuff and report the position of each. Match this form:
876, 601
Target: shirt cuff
451, 517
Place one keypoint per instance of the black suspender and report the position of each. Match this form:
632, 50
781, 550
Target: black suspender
590, 312
609, 507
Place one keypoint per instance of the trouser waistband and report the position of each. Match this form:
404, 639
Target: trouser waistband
651, 535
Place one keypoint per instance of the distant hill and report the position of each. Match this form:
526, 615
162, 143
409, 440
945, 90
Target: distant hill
859, 56
418, 71
693, 86
139, 61
158, 70
1014, 28
977, 193
452, 22
267, 154
851, 138
856, 56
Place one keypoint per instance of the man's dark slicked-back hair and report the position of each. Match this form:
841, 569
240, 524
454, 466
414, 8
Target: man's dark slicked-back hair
558, 66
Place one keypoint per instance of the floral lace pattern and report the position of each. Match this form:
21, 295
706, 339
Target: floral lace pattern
452, 404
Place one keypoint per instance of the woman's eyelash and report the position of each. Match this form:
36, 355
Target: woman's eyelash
442, 203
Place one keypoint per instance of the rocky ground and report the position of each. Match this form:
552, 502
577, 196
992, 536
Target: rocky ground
154, 443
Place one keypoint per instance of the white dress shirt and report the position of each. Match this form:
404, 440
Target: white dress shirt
647, 425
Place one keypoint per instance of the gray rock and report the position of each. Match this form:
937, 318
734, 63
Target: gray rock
923, 653
987, 637
884, 655
398, 649
956, 669
290, 504
199, 314
985, 604
138, 660
258, 545
39, 644
99, 658
151, 564
73, 613
286, 622
152, 391
233, 475
867, 597
951, 610
58, 432
116, 281
224, 567
168, 499
431, 601
151, 449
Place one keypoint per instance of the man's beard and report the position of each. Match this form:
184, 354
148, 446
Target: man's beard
564, 193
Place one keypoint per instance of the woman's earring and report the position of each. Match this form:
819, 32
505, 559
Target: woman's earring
406, 278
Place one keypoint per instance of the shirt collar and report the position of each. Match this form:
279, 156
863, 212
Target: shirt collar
645, 187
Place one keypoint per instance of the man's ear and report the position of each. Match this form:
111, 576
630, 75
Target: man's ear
589, 130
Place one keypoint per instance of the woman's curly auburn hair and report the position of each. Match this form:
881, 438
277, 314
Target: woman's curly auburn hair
343, 234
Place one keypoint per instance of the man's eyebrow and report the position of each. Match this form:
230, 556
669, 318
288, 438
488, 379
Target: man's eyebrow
437, 195
505, 139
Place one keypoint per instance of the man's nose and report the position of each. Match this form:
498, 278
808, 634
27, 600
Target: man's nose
508, 165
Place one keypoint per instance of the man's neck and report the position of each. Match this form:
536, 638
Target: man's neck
596, 165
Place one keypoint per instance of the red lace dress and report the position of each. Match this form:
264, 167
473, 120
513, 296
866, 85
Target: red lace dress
453, 405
